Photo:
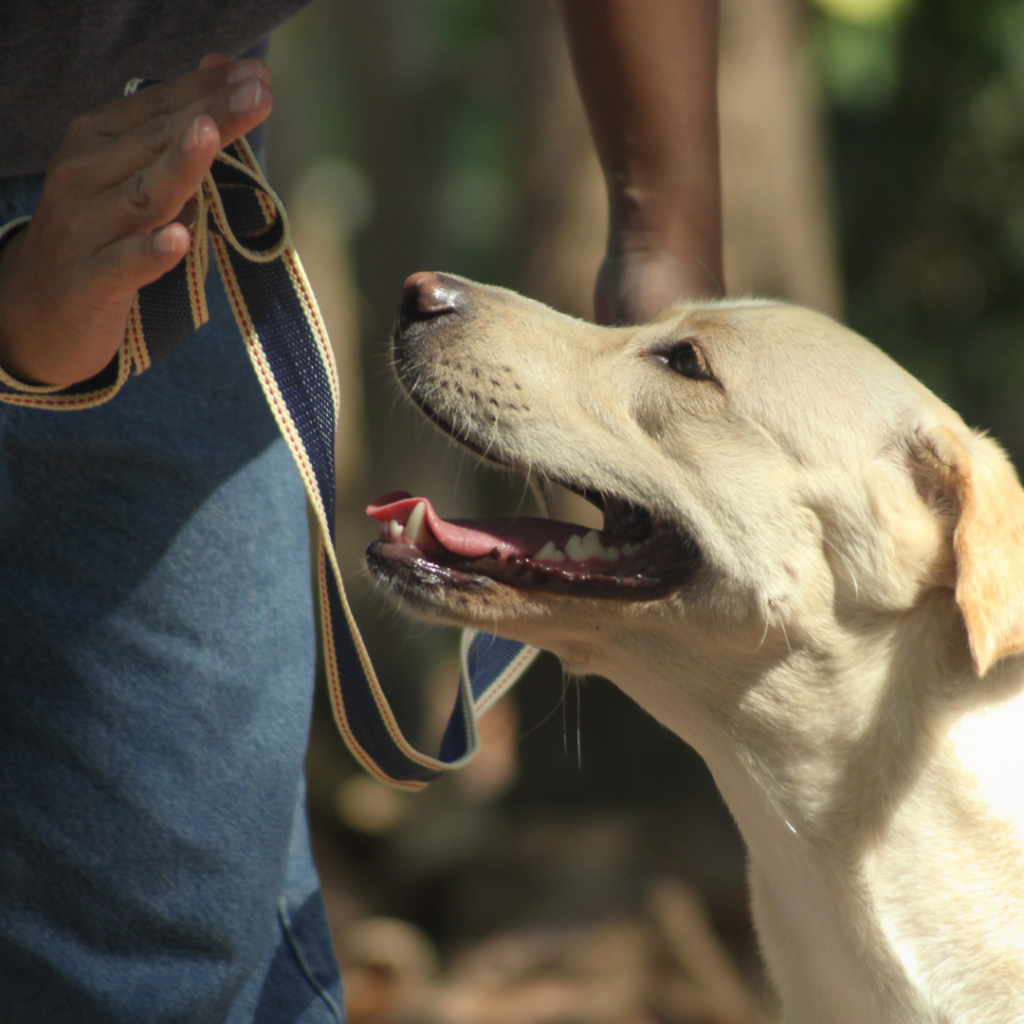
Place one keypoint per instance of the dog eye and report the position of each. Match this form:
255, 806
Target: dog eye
685, 358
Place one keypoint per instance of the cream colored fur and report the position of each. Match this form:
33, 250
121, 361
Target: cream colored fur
846, 660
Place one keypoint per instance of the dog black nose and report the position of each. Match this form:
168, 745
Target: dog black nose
428, 295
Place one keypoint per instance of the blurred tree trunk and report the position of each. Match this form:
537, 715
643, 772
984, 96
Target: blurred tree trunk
779, 237
392, 68
565, 217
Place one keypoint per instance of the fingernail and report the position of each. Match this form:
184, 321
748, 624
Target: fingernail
247, 70
246, 98
190, 140
197, 132
165, 241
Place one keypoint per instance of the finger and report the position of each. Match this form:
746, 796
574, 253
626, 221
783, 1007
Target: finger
213, 59
242, 103
157, 193
120, 269
91, 162
166, 98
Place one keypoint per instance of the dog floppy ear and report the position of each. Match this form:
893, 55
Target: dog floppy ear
976, 483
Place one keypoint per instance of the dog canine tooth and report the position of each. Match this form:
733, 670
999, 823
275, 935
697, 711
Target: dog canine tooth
394, 529
415, 530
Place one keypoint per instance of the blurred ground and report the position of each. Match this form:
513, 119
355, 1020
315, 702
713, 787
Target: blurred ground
527, 897
584, 869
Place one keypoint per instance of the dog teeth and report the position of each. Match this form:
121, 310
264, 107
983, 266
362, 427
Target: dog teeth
415, 530
549, 553
582, 548
579, 549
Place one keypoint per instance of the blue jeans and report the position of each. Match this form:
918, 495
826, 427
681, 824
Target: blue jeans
156, 673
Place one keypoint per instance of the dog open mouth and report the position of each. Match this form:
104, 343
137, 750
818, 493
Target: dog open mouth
634, 556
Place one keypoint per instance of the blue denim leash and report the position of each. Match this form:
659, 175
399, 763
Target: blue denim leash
244, 221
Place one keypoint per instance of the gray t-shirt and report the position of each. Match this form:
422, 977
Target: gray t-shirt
59, 58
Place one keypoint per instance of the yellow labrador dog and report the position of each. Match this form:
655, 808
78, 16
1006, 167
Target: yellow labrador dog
810, 570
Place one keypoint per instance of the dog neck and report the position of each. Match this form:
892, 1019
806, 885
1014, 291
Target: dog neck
867, 794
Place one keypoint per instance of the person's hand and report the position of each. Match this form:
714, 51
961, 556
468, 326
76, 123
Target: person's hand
107, 222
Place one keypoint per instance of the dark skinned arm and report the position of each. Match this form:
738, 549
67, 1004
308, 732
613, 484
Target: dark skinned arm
647, 73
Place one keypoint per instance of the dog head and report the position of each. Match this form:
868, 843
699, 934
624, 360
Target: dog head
758, 466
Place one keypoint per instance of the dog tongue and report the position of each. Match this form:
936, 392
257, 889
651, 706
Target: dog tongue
473, 538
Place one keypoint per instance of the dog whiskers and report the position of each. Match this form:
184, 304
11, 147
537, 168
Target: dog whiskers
559, 704
846, 565
565, 726
764, 635
523, 492
579, 730
575, 680
771, 610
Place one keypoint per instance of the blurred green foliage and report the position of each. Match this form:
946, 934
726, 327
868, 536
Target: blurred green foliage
925, 120
450, 60
926, 125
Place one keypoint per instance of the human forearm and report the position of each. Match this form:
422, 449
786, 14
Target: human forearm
647, 73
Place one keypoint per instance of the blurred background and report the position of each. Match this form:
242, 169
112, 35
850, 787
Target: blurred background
584, 870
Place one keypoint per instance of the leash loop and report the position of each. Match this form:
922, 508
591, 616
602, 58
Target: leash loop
244, 222
242, 206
